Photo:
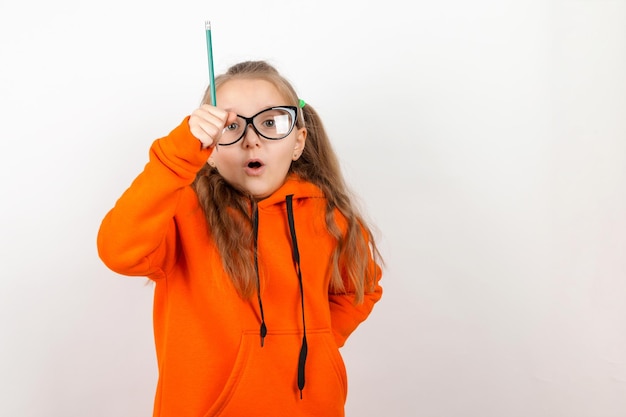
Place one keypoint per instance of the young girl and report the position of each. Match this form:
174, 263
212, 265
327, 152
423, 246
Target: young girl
263, 266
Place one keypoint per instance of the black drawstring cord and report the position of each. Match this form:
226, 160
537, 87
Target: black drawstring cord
304, 349
255, 228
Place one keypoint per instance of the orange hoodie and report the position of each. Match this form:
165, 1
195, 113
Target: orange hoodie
211, 360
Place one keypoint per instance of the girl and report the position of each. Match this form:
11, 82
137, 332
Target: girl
263, 266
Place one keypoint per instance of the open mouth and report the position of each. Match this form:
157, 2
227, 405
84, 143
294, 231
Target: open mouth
254, 167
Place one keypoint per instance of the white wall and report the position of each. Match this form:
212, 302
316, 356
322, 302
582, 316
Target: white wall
487, 140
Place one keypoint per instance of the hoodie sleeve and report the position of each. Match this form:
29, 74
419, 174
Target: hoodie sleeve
138, 235
346, 315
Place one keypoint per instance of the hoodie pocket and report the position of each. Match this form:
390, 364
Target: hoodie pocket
263, 381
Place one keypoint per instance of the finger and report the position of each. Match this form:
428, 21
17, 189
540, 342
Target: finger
206, 132
213, 114
231, 117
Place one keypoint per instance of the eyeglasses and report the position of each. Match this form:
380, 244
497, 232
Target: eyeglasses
274, 123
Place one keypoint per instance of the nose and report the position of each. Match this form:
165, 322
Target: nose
250, 137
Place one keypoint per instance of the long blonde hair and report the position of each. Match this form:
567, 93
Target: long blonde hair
228, 211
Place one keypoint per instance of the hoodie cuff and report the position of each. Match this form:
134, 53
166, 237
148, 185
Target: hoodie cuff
181, 151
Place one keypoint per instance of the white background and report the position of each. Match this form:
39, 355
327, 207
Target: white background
486, 139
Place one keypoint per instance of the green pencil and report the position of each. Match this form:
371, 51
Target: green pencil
209, 49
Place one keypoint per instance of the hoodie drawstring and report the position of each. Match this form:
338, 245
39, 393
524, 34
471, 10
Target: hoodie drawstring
304, 349
255, 228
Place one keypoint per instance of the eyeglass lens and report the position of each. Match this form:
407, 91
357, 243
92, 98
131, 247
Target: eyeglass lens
274, 123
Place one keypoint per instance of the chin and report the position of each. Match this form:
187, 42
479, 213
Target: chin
260, 194
260, 189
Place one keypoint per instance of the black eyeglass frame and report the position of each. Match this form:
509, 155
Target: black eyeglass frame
292, 110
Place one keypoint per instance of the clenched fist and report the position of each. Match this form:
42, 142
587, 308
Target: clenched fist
207, 122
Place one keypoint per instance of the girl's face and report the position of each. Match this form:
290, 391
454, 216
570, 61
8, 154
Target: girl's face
255, 164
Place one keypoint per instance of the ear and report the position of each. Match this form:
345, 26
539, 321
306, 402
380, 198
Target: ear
210, 161
300, 143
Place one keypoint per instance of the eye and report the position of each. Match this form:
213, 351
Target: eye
231, 127
268, 123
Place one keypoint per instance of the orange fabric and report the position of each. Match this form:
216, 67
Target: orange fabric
210, 359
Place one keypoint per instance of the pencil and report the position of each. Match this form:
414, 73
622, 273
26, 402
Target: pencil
209, 49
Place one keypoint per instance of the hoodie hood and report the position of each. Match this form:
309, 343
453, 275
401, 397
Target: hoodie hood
295, 186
